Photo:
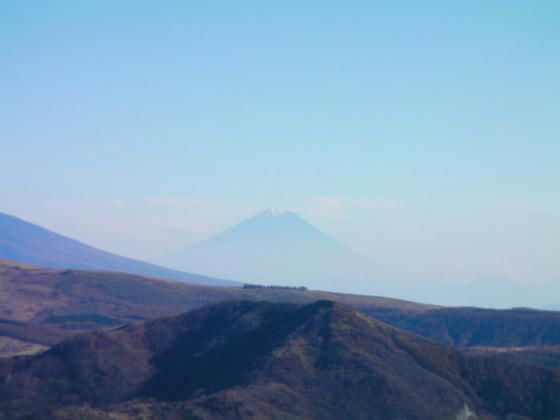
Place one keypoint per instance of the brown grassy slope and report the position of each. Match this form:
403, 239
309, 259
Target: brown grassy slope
82, 299
255, 359
74, 300
15, 347
36, 333
40, 294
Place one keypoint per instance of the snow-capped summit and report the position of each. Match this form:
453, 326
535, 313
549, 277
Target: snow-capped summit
277, 212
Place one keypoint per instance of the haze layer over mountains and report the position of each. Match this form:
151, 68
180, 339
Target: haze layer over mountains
280, 247
276, 247
273, 247
26, 242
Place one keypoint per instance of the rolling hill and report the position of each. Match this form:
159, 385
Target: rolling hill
74, 300
65, 301
28, 243
243, 359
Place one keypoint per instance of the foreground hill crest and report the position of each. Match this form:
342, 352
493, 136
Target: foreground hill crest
244, 359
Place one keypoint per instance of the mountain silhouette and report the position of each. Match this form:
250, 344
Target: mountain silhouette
29, 243
273, 247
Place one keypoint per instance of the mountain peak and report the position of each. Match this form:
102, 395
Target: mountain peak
277, 212
276, 246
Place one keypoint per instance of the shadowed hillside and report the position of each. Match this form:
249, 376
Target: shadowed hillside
263, 360
28, 243
538, 355
476, 326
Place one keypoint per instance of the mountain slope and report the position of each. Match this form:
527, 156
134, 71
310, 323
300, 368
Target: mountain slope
466, 326
276, 246
25, 242
262, 360
59, 301
72, 300
38, 294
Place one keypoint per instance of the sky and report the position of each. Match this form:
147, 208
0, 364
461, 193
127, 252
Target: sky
423, 134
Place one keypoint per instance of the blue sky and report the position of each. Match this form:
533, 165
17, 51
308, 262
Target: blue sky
425, 134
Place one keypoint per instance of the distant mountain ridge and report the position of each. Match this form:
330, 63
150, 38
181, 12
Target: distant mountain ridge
32, 244
275, 246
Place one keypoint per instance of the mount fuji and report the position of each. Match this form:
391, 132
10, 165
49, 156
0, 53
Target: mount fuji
273, 247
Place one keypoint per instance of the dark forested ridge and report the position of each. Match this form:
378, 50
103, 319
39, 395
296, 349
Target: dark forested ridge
244, 359
466, 326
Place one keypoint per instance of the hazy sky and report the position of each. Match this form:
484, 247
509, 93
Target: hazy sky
422, 133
